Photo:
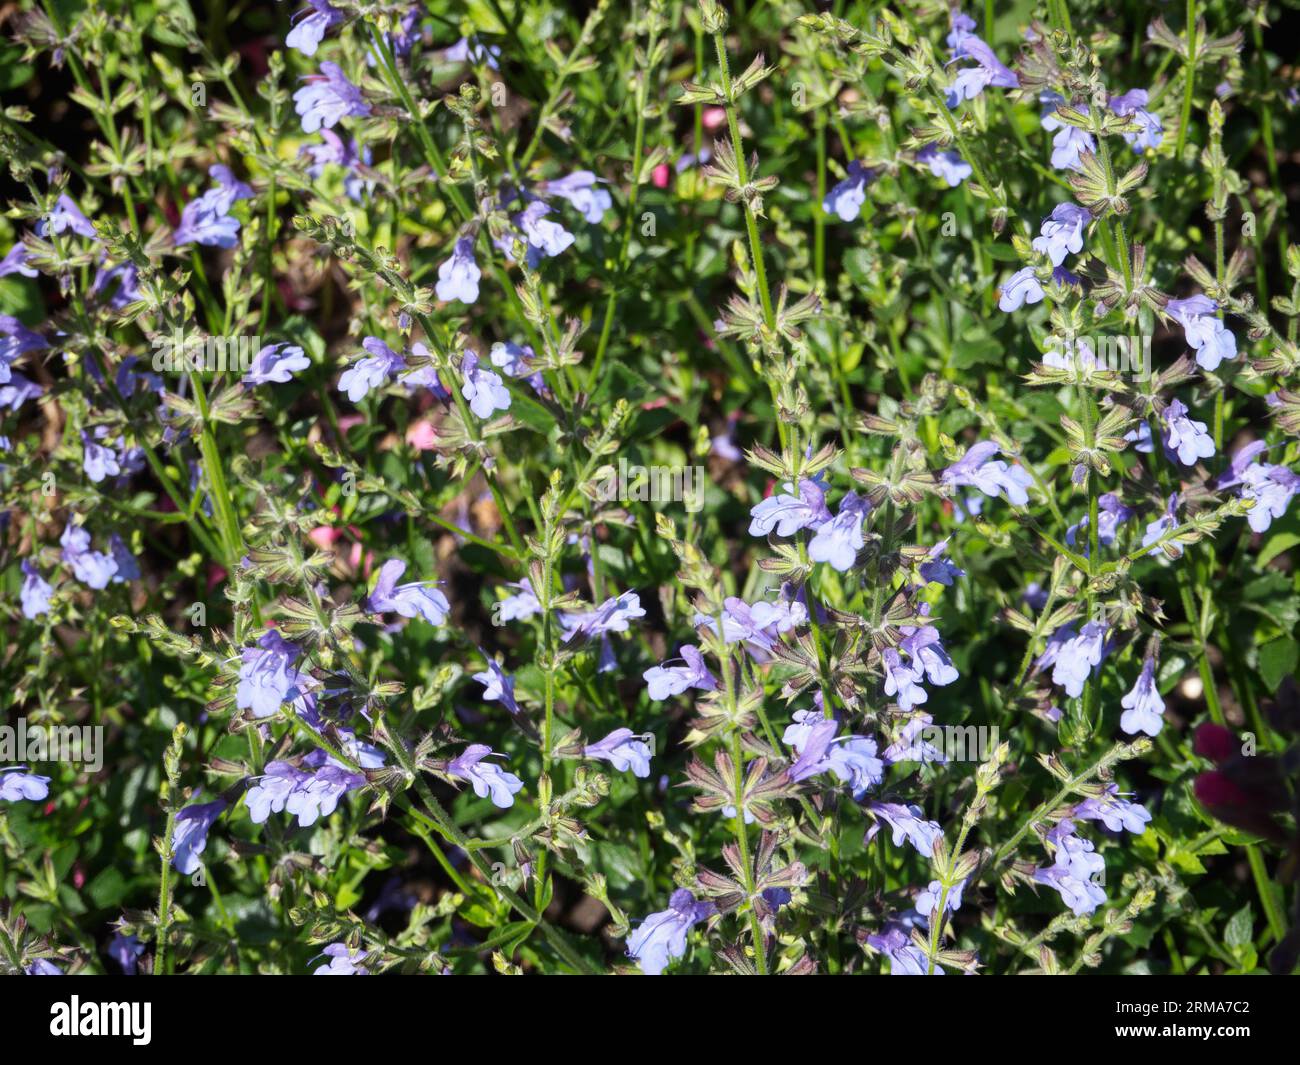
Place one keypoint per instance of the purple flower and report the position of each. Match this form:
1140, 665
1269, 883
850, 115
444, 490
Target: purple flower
521, 606
207, 220
125, 276
1162, 526
661, 937
971, 81
1132, 104
1271, 488
309, 31
15, 340
43, 967
1204, 332
370, 371
98, 462
1078, 656
93, 568
947, 165
845, 199
343, 961
127, 567
17, 784
1062, 232
838, 541
472, 50
190, 834
905, 957
267, 675
1237, 466
66, 215
1021, 288
582, 189
15, 262
484, 389
276, 363
328, 97
623, 750
272, 790
757, 626
486, 778
415, 599
1184, 437
548, 238
907, 824
1111, 514
923, 646
458, 276
788, 513
1073, 869
1069, 140
1143, 706
963, 26
126, 951
1116, 813
35, 593
927, 902
851, 759
902, 680
937, 569
990, 477
613, 615
318, 795
911, 746
498, 685
665, 681
346, 154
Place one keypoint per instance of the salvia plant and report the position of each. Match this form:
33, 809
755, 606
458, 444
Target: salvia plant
524, 487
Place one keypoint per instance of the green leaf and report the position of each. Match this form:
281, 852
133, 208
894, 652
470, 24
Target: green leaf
1277, 661
1240, 928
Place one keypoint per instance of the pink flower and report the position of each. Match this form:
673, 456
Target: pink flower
421, 435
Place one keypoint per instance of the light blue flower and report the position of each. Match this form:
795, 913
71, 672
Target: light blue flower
1143, 706
664, 681
458, 276
276, 363
1073, 869
845, 199
1022, 287
1187, 439
486, 778
661, 937
949, 166
16, 785
1205, 333
787, 513
839, 540
414, 599
624, 750
35, 593
371, 371
312, 25
190, 834
327, 98
907, 824
1062, 232
484, 390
